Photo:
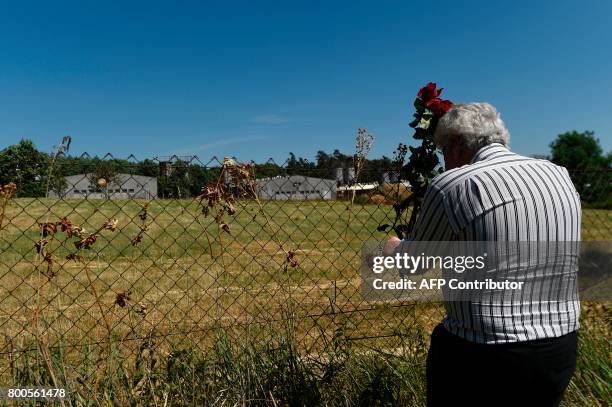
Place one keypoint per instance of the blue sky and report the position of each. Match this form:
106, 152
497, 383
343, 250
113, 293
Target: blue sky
259, 79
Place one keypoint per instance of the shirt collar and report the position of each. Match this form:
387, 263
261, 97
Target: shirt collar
487, 151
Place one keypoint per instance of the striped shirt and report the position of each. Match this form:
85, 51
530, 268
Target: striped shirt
504, 197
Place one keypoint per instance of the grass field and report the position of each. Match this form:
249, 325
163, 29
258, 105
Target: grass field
188, 280
184, 271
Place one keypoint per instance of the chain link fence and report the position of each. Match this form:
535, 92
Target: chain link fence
122, 253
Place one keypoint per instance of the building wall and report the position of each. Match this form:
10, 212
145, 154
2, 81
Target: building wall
296, 187
128, 187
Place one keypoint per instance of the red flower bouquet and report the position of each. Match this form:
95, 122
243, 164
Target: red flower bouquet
423, 163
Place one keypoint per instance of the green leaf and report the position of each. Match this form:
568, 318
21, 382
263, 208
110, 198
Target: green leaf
418, 104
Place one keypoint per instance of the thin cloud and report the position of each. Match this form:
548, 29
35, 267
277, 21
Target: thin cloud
220, 143
270, 119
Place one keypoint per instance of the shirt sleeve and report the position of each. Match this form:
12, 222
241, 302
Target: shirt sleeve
432, 225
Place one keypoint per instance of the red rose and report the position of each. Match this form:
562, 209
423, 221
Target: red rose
440, 106
429, 93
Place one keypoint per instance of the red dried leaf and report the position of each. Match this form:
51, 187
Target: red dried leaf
111, 224
75, 257
70, 229
86, 242
291, 259
123, 298
47, 228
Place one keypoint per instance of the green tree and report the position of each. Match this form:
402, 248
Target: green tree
589, 168
58, 184
199, 176
148, 168
27, 167
177, 184
298, 166
108, 170
269, 169
327, 163
579, 151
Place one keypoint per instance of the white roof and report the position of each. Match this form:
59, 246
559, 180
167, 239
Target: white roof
358, 187
365, 187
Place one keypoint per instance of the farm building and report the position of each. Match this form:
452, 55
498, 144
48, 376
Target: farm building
123, 186
386, 192
296, 187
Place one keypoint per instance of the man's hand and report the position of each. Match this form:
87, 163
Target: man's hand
388, 249
391, 245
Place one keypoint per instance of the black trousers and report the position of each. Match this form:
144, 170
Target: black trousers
464, 373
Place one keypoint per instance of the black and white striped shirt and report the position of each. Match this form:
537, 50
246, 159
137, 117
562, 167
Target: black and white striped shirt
504, 197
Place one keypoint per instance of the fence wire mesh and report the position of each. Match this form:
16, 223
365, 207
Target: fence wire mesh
122, 253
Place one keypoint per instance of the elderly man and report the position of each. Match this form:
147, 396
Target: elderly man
520, 352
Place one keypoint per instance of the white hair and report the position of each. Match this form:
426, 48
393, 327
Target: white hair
475, 125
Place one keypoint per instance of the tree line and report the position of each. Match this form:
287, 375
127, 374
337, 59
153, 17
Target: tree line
35, 173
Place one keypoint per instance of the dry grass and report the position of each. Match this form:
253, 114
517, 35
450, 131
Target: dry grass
186, 279
175, 283
174, 275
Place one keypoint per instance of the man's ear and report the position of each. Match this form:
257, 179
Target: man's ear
451, 153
